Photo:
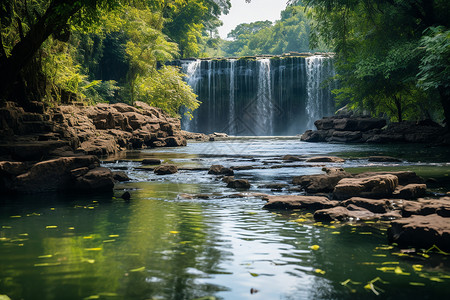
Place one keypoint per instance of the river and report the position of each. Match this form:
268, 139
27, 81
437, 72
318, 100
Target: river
163, 246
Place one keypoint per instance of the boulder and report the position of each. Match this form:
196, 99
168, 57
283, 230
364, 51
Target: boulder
175, 141
274, 186
371, 187
321, 183
239, 184
165, 169
404, 177
120, 176
373, 205
220, 170
291, 158
296, 201
96, 180
344, 214
345, 136
332, 159
421, 232
151, 161
411, 191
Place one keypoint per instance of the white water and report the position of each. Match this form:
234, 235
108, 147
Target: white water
231, 125
193, 76
264, 113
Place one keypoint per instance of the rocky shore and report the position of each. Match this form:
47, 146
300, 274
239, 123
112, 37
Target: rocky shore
364, 129
57, 149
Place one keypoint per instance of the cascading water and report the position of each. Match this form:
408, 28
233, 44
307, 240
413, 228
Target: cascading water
193, 76
232, 112
264, 108
317, 72
262, 96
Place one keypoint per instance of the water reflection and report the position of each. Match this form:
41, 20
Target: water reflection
161, 247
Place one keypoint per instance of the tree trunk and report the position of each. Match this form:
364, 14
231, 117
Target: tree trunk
56, 16
398, 105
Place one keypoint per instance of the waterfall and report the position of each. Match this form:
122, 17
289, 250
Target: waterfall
264, 110
259, 96
193, 76
231, 122
317, 71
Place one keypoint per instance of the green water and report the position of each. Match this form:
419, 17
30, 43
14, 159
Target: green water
159, 246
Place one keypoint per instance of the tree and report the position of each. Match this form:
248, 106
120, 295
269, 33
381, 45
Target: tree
34, 25
382, 55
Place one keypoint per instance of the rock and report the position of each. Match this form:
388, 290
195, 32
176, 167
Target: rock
52, 175
95, 180
165, 169
345, 136
239, 184
375, 206
408, 208
126, 196
12, 168
274, 186
343, 214
120, 176
175, 141
331, 159
411, 191
404, 177
237, 168
321, 183
291, 158
384, 159
372, 187
294, 202
421, 232
435, 206
220, 170
151, 161
227, 179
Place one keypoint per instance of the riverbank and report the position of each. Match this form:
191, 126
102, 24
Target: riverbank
57, 149
364, 129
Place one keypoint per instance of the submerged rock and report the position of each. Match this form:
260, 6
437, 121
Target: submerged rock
421, 231
291, 158
239, 184
151, 161
165, 169
297, 201
373, 205
220, 170
372, 187
344, 214
332, 159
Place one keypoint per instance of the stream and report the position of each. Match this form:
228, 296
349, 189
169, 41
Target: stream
163, 245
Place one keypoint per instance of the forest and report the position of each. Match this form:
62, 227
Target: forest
391, 56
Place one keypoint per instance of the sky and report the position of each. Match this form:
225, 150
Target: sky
257, 10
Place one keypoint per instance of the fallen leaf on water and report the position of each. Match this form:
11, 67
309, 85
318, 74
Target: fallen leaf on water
113, 235
254, 274
335, 232
51, 226
47, 264
399, 271
386, 269
141, 269
174, 232
15, 216
417, 283
418, 268
368, 232
315, 247
320, 271
390, 263
92, 249
379, 255
92, 297
45, 256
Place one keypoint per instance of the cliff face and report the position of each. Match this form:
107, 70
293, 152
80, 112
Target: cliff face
58, 150
99, 130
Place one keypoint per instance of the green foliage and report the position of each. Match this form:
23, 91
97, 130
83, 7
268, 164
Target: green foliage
290, 33
384, 61
165, 88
